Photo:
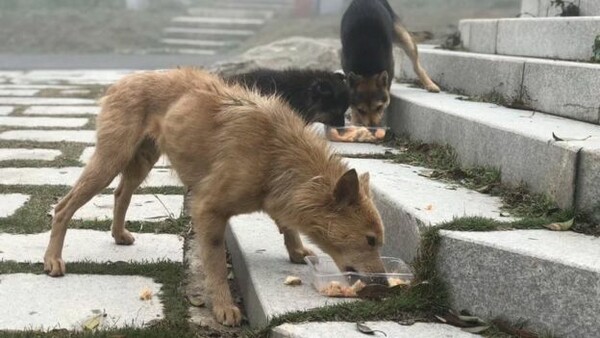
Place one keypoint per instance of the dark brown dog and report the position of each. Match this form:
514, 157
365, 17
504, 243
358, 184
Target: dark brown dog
369, 29
240, 152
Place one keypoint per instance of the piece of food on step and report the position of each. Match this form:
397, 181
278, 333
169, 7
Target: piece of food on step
293, 281
146, 294
398, 281
356, 134
336, 289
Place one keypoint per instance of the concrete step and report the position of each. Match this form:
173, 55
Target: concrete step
212, 44
261, 265
560, 38
551, 279
253, 6
231, 13
209, 33
219, 22
408, 203
518, 142
540, 8
348, 330
561, 88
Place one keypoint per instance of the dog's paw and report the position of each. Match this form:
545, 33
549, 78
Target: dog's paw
124, 238
432, 88
54, 266
297, 255
228, 315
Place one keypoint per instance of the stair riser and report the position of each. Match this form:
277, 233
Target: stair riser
560, 88
552, 297
551, 38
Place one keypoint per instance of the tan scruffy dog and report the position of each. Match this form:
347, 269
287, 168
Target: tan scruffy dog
240, 153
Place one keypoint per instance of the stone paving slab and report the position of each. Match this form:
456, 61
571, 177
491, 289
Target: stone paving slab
48, 122
62, 110
18, 92
68, 92
261, 264
85, 157
40, 302
73, 77
9, 203
93, 246
78, 136
409, 203
5, 110
551, 279
517, 141
348, 330
146, 208
8, 154
55, 101
69, 175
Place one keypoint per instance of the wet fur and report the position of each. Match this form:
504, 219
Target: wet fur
240, 152
368, 32
318, 96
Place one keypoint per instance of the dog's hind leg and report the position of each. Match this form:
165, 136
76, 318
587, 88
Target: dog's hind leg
95, 177
133, 175
410, 48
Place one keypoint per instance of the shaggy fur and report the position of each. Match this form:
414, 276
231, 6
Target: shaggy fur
369, 29
240, 152
318, 96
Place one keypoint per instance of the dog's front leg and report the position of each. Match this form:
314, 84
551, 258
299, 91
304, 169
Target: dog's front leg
294, 246
210, 227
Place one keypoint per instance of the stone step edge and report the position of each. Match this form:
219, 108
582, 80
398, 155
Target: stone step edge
514, 79
477, 130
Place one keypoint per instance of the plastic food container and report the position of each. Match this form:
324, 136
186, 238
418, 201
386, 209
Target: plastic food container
358, 134
324, 272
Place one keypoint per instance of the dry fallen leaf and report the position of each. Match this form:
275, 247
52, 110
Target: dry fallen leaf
196, 301
563, 226
94, 321
293, 281
429, 207
146, 294
364, 329
476, 329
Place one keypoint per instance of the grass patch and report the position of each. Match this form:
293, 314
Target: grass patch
444, 166
495, 98
35, 217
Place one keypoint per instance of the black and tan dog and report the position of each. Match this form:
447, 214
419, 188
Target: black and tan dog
369, 29
316, 95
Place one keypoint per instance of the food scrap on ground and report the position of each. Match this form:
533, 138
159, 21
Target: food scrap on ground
293, 281
146, 294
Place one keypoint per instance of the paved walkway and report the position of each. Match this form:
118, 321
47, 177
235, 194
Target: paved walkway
46, 131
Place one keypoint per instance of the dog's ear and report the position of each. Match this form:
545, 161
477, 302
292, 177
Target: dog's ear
346, 190
322, 88
354, 79
383, 78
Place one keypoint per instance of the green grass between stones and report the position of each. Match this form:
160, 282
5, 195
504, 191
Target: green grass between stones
35, 217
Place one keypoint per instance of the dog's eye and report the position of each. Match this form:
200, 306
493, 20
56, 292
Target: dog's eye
361, 111
371, 240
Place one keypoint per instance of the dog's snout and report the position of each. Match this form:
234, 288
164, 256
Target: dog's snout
378, 280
